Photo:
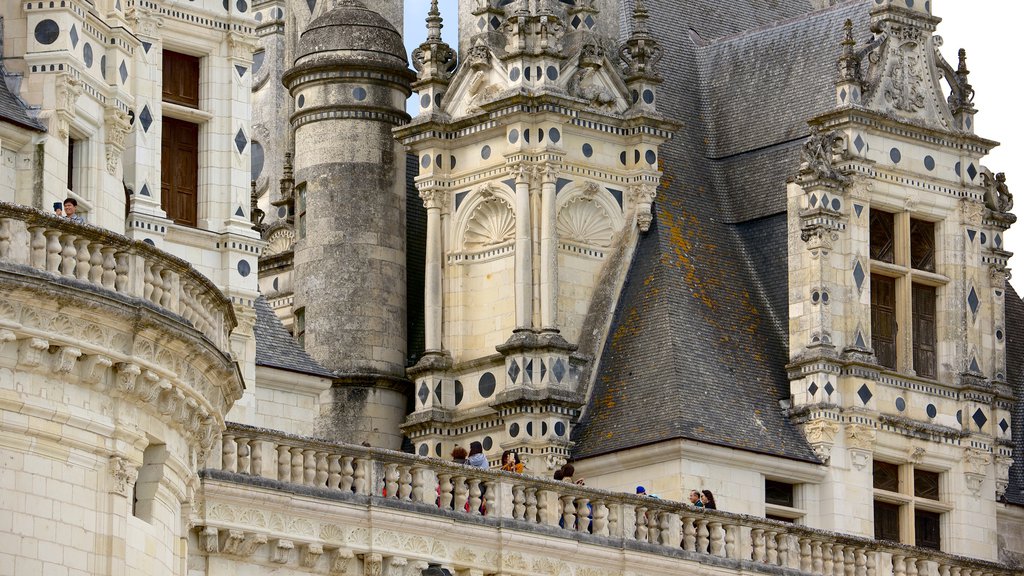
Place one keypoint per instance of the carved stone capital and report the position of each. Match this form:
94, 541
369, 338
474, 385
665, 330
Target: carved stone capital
241, 45
434, 199
373, 565
643, 196
126, 375
339, 561
209, 540
976, 461
68, 91
123, 475
147, 22
94, 370
860, 436
117, 128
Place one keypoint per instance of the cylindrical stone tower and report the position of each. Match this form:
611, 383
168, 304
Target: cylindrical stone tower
349, 83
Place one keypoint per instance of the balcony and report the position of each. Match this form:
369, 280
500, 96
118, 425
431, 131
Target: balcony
297, 501
58, 248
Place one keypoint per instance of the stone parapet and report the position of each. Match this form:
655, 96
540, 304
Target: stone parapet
351, 494
112, 262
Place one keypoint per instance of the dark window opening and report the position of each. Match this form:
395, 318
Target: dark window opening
886, 476
780, 518
148, 481
72, 143
926, 484
887, 521
926, 529
923, 304
883, 236
300, 326
922, 245
778, 493
883, 319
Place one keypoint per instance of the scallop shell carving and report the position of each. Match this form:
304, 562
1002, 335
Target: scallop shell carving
279, 241
584, 222
491, 223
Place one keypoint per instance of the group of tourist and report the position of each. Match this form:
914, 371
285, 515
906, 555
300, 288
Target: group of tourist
510, 462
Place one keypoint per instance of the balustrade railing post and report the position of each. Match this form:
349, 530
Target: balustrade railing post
817, 564
461, 492
361, 481
256, 458
718, 540
600, 521
615, 520
899, 565
416, 484
730, 541
322, 466
532, 507
475, 494
653, 526
805, 555
333, 471
229, 460
583, 514
445, 491
628, 515
640, 521
568, 513
391, 476
671, 529
547, 507
37, 247
68, 255
348, 470
284, 463
519, 502
703, 536
243, 454
911, 566
404, 483
838, 560
850, 561
497, 498
689, 533
861, 563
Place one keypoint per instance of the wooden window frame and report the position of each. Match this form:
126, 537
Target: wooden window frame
908, 346
909, 504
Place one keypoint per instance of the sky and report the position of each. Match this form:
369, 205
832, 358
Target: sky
986, 28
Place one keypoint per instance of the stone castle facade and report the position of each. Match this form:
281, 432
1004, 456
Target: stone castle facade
743, 247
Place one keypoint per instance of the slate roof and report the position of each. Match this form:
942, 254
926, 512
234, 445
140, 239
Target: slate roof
12, 109
1015, 376
698, 345
276, 348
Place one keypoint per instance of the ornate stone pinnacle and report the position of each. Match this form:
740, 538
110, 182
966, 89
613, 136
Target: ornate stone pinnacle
640, 53
848, 62
434, 23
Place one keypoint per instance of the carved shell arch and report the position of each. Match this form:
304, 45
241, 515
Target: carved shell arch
278, 241
491, 222
588, 215
583, 221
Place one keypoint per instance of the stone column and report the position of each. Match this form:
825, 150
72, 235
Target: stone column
549, 251
524, 249
432, 298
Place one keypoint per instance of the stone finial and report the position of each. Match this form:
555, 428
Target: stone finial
640, 53
434, 60
963, 89
848, 62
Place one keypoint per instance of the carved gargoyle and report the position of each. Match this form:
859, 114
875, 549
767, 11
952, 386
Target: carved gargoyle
819, 154
997, 193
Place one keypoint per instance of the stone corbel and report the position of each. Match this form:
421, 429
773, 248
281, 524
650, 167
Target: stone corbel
915, 454
643, 197
94, 370
309, 554
147, 23
339, 561
241, 46
373, 565
127, 373
397, 566
243, 545
209, 540
148, 387
976, 461
65, 359
821, 434
31, 350
169, 400
117, 128
1003, 464
68, 91
6, 336
123, 476
282, 551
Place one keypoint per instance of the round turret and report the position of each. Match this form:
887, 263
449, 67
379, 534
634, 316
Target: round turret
352, 34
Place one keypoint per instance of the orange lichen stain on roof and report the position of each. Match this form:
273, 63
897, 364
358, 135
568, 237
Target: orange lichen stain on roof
629, 327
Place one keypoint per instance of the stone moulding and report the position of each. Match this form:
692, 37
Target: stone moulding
357, 483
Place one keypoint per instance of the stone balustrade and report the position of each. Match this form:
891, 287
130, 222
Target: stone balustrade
109, 261
432, 486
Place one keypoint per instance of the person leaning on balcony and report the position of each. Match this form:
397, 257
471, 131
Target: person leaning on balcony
459, 454
708, 499
695, 499
476, 455
70, 211
510, 462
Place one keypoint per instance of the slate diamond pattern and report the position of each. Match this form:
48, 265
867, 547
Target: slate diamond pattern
813, 388
829, 388
74, 36
529, 371
423, 392
1003, 425
146, 118
558, 370
543, 370
241, 141
864, 394
859, 143
858, 275
973, 301
979, 418
123, 71
513, 371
